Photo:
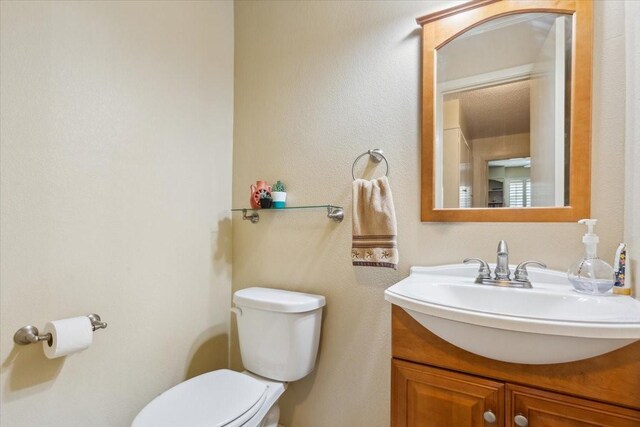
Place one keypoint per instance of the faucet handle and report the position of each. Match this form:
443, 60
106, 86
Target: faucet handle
484, 272
521, 274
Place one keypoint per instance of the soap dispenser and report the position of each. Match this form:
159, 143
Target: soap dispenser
591, 275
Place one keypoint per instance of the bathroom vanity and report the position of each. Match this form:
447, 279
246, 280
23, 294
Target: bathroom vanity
434, 383
467, 352
468, 348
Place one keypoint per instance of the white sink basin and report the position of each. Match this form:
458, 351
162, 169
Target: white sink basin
550, 323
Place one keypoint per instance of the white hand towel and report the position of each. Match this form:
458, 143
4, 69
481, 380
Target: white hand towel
374, 224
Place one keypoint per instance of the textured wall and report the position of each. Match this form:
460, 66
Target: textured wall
632, 145
116, 184
316, 84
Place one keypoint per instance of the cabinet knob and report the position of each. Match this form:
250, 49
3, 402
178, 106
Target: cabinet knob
489, 416
521, 420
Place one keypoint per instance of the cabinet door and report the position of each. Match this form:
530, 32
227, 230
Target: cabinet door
537, 408
425, 396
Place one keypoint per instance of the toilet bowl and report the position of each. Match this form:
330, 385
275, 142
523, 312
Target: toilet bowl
279, 334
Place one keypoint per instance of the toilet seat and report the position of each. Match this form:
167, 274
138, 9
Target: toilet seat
219, 398
242, 419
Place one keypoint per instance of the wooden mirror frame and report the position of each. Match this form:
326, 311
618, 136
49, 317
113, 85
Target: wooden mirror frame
441, 27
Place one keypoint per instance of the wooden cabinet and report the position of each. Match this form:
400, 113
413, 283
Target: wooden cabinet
434, 383
545, 409
425, 397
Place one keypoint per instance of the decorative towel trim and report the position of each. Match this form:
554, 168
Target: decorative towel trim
376, 237
373, 245
375, 264
375, 255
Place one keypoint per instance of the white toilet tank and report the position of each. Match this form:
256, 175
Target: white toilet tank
279, 331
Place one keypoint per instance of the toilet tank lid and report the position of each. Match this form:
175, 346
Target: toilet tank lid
278, 300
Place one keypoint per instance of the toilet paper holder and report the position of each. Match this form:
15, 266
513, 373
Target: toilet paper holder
30, 334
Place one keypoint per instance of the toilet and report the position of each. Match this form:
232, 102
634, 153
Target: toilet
279, 333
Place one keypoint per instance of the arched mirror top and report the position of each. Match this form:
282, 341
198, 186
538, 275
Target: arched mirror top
506, 123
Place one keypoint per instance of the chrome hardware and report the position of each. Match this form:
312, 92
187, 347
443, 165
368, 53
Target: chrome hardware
505, 283
30, 334
335, 213
502, 271
502, 274
489, 416
254, 217
484, 272
520, 420
521, 274
376, 155
96, 322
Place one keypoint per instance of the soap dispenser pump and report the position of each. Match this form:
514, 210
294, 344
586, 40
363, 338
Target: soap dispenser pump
590, 274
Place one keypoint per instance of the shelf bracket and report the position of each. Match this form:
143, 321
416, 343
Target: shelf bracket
335, 213
254, 217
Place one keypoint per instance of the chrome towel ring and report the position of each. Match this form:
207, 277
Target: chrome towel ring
376, 155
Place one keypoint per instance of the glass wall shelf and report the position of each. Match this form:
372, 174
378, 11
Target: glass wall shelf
335, 213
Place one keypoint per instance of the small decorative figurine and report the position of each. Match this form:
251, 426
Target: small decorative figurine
257, 189
265, 200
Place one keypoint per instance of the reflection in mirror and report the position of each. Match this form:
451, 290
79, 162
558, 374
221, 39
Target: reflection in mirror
503, 114
509, 183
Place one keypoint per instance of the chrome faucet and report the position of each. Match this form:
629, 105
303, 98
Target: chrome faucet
502, 271
502, 274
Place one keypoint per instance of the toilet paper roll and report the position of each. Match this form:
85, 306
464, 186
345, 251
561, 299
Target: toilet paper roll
68, 336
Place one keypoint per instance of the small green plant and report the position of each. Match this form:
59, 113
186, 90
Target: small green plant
264, 195
278, 186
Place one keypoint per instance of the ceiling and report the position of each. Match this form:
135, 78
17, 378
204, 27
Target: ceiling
496, 110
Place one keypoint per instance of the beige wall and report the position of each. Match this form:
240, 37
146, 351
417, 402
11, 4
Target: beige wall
115, 164
116, 184
318, 83
632, 144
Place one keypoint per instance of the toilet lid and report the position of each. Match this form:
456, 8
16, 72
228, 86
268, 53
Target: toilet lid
218, 398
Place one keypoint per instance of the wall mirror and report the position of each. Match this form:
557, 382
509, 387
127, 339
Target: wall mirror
506, 126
